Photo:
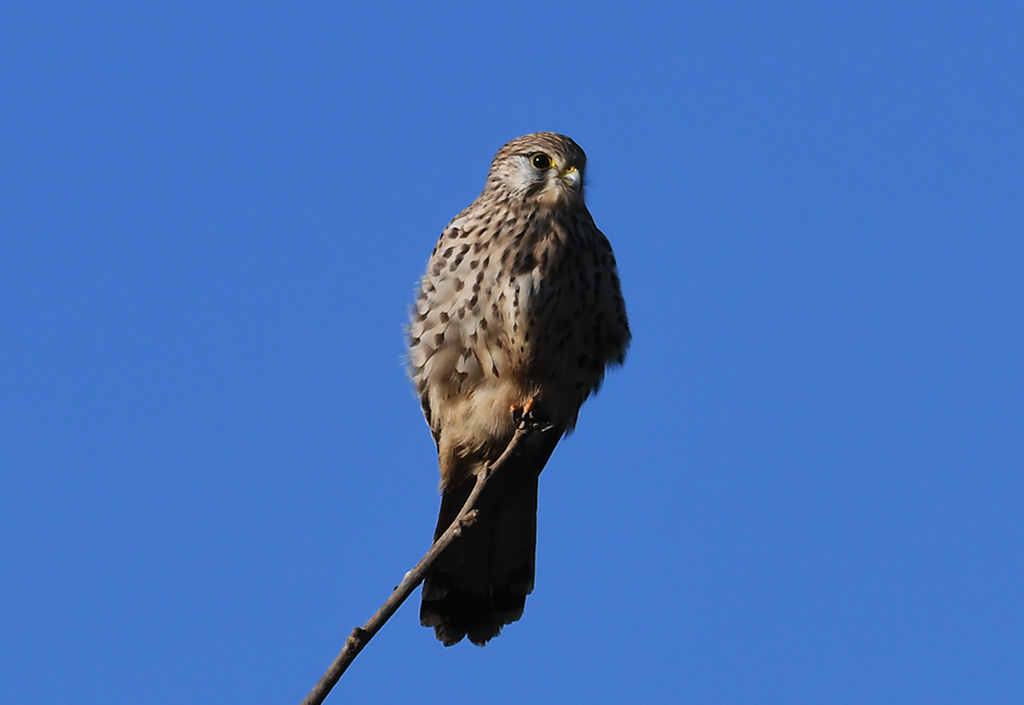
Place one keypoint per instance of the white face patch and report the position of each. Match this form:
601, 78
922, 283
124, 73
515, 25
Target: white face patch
526, 176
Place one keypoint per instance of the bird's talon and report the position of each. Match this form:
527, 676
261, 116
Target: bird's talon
529, 417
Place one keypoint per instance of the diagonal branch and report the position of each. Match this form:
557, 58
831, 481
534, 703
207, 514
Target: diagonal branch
360, 636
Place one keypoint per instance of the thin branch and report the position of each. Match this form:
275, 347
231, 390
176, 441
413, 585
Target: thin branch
360, 636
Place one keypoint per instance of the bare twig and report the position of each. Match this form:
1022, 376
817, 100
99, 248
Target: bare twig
360, 636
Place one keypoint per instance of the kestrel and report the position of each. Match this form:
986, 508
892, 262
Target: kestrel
518, 316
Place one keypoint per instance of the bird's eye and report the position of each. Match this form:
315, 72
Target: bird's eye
541, 161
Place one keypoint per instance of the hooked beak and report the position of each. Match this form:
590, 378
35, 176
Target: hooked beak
572, 177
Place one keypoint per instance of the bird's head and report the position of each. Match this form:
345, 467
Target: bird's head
544, 166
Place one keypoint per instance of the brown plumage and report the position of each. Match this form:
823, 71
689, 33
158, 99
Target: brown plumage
520, 307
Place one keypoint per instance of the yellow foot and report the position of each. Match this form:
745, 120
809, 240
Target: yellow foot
530, 415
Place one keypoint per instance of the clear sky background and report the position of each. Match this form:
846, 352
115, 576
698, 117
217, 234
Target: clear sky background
805, 486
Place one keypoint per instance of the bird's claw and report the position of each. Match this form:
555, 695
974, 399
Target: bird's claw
529, 417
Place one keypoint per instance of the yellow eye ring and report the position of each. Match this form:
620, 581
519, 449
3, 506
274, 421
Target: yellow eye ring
541, 161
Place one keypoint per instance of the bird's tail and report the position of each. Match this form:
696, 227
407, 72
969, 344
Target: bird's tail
480, 583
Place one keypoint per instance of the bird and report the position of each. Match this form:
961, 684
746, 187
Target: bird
516, 320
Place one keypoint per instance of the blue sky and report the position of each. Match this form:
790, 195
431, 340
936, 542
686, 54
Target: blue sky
805, 485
